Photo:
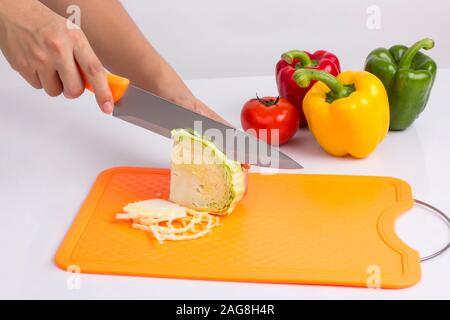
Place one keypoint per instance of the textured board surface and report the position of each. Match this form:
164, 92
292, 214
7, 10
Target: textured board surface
309, 229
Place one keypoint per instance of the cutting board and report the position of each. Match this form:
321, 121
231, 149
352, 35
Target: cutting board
290, 228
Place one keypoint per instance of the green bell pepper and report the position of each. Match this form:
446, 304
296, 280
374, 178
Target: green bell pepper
408, 76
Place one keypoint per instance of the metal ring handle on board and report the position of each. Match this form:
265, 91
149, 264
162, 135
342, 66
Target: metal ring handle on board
441, 215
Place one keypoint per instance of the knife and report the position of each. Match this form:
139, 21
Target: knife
161, 116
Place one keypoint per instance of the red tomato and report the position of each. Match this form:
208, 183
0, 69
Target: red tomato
270, 113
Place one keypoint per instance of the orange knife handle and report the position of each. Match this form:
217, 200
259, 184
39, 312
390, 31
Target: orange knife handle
117, 84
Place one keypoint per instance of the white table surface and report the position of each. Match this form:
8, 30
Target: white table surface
52, 149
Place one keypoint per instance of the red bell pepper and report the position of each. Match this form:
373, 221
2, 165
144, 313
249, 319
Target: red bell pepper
295, 59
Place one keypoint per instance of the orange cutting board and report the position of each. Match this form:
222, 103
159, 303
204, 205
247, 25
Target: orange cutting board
309, 229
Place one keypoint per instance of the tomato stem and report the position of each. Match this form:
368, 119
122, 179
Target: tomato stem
268, 102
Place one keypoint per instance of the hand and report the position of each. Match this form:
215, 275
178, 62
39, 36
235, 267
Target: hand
168, 85
196, 105
199, 107
49, 53
140, 62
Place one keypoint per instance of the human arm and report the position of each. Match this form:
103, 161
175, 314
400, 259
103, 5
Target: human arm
124, 50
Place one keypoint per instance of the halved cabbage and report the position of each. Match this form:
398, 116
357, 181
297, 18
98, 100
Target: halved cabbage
204, 183
202, 177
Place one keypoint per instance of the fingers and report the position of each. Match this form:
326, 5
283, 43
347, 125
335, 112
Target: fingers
62, 78
32, 78
50, 55
49, 79
95, 74
73, 85
203, 109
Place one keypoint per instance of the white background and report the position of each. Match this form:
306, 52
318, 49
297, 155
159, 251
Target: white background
210, 38
234, 38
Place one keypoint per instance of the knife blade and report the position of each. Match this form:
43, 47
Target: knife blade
144, 109
161, 116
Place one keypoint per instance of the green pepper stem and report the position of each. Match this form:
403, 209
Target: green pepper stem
409, 55
303, 78
300, 55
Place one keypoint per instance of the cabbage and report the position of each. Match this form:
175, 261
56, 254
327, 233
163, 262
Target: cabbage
202, 177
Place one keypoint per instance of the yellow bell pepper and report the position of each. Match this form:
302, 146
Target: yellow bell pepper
348, 115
